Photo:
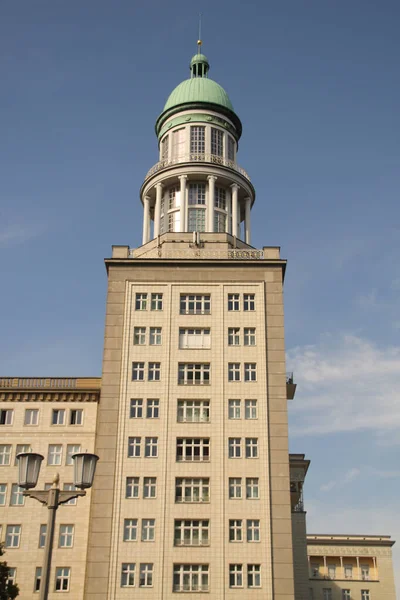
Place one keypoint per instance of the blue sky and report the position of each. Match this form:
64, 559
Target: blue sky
316, 85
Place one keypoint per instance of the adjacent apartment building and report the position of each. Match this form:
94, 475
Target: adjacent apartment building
195, 492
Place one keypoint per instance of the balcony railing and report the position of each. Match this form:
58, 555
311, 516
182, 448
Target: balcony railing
196, 158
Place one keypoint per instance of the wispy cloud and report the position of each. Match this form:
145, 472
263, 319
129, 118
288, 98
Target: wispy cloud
345, 383
13, 235
347, 478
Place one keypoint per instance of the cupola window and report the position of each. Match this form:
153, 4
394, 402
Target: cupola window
197, 219
217, 137
220, 198
164, 148
178, 143
231, 148
171, 198
197, 141
197, 194
219, 222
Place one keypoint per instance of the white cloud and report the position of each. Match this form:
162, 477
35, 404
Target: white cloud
347, 478
19, 233
346, 383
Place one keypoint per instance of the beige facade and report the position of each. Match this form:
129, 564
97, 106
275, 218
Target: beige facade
54, 417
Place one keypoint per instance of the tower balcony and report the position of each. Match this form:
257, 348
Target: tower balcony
290, 386
212, 159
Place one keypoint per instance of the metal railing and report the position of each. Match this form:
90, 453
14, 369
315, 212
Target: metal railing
289, 378
196, 158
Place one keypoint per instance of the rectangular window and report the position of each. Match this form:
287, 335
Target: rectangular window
331, 571
253, 576
70, 487
58, 417
235, 488
171, 198
132, 487
66, 539
233, 336
155, 336
3, 493
192, 304
217, 137
250, 408
63, 575
192, 449
54, 456
365, 572
153, 409
148, 530
136, 409
31, 416
235, 576
141, 302
194, 373
139, 336
71, 450
164, 148
251, 447
233, 302
348, 572
219, 222
156, 301
249, 302
346, 595
220, 198
194, 338
253, 530
233, 371
154, 373
190, 578
76, 416
130, 530
234, 409
21, 448
197, 219
193, 411
235, 530
315, 570
17, 497
250, 372
6, 416
13, 536
178, 143
134, 447
327, 593
192, 489
5, 454
38, 579
365, 595
249, 336
149, 487
197, 194
235, 447
252, 488
12, 575
146, 575
191, 532
42, 536
128, 574
138, 371
197, 140
151, 447
231, 148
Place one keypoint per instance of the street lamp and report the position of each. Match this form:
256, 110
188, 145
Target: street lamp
28, 472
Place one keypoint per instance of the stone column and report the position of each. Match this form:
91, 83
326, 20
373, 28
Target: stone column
235, 189
210, 207
228, 228
146, 219
183, 209
157, 210
247, 227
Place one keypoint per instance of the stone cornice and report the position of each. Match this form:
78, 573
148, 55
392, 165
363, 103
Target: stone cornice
49, 396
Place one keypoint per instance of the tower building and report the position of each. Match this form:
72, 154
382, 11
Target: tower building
192, 491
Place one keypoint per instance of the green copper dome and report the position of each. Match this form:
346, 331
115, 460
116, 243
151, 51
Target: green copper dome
199, 92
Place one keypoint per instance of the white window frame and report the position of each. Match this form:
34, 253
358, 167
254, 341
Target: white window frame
54, 456
20, 449
58, 416
194, 338
138, 371
327, 593
365, 595
217, 142
193, 411
250, 409
249, 336
12, 575
346, 594
136, 408
155, 338
234, 409
233, 302
235, 576
148, 530
38, 579
235, 530
17, 497
192, 489
153, 408
141, 301
234, 372
130, 532
31, 417
132, 486
251, 445
151, 447
194, 373
66, 536
154, 371
71, 449
192, 532
63, 579
6, 416
233, 336
156, 301
253, 576
195, 304
197, 139
249, 302
139, 336
76, 417
191, 578
128, 571
193, 449
253, 533
235, 488
146, 575
365, 572
42, 535
250, 372
69, 487
149, 487
5, 455
235, 447
3, 494
13, 536
348, 569
134, 446
252, 488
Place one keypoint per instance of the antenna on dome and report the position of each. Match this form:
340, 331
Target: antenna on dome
199, 42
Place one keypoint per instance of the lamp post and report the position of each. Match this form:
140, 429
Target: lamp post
29, 467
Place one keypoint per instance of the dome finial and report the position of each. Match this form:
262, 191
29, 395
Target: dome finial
199, 42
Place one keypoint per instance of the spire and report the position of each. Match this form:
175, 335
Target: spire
199, 65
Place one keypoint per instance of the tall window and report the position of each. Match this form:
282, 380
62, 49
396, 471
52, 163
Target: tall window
152, 409
252, 488
38, 579
197, 219
235, 530
42, 536
178, 143
193, 411
141, 301
197, 194
191, 532
233, 336
136, 410
151, 447
235, 487
217, 137
193, 373
148, 530
249, 336
12, 575
231, 148
346, 595
3, 493
192, 449
327, 594
235, 576
251, 447
197, 140
76, 416
71, 450
253, 530
250, 409
235, 447
220, 198
249, 302
365, 595
31, 416
134, 447
21, 448
250, 372
149, 487
70, 487
63, 576
194, 338
146, 575
138, 371
364, 572
192, 489
6, 416
234, 409
233, 302
132, 487
191, 304
190, 578
332, 571
13, 536
155, 336
233, 371
219, 222
58, 417
54, 456
66, 539
139, 336
348, 572
154, 371
17, 497
156, 302
253, 576
130, 530
164, 148
128, 574
5, 454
